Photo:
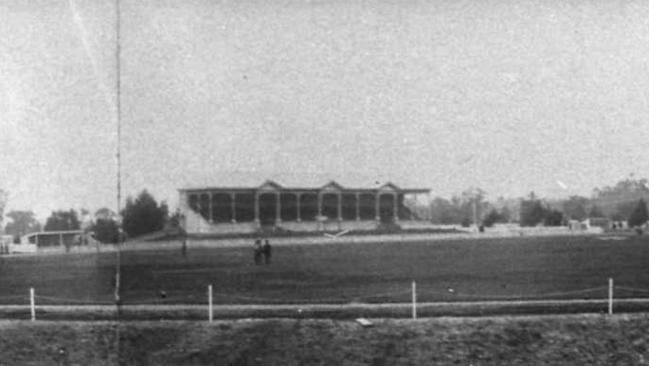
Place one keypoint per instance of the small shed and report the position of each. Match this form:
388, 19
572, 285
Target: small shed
50, 240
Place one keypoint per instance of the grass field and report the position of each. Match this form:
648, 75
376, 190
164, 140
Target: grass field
456, 270
538, 340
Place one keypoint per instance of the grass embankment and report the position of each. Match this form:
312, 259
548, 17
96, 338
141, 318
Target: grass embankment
551, 340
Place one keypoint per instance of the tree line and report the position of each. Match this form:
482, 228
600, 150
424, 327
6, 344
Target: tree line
624, 201
140, 215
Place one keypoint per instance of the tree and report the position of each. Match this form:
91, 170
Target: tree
506, 214
639, 215
617, 202
446, 212
508, 208
493, 217
175, 220
532, 211
459, 209
595, 211
474, 203
143, 215
106, 231
575, 207
3, 202
623, 210
62, 220
553, 218
105, 213
22, 222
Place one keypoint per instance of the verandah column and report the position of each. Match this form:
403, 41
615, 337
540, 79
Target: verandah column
210, 197
340, 211
320, 223
297, 200
340, 207
396, 206
257, 208
278, 209
358, 206
319, 204
377, 205
411, 210
233, 197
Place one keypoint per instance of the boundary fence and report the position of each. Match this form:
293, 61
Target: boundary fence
49, 307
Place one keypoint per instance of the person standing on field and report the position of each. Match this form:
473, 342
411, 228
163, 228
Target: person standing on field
267, 251
257, 251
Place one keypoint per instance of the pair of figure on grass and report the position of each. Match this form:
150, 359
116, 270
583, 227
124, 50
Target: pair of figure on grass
262, 250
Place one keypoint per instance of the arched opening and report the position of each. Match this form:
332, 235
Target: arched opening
288, 203
193, 202
204, 206
330, 206
386, 208
367, 206
267, 208
308, 206
244, 205
349, 206
221, 207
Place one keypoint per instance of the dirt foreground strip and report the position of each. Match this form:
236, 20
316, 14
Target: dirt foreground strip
321, 311
522, 340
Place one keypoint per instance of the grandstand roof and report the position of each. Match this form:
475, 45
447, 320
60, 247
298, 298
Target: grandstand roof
237, 180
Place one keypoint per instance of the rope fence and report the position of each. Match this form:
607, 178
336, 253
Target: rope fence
516, 297
413, 293
68, 301
632, 289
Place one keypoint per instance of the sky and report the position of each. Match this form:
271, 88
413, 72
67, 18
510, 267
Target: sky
509, 96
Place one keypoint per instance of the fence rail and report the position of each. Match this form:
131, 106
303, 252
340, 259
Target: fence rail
556, 302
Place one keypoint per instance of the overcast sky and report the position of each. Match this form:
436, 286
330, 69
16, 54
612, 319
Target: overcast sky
511, 96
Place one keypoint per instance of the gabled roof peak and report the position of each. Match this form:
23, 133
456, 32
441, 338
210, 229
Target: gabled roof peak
332, 184
389, 186
270, 184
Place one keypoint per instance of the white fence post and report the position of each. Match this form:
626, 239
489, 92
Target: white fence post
414, 300
610, 296
32, 304
210, 309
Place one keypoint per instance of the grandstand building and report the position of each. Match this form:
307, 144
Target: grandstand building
299, 209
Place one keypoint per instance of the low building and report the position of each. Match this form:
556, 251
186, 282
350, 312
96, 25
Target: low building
602, 222
5, 243
301, 209
50, 241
